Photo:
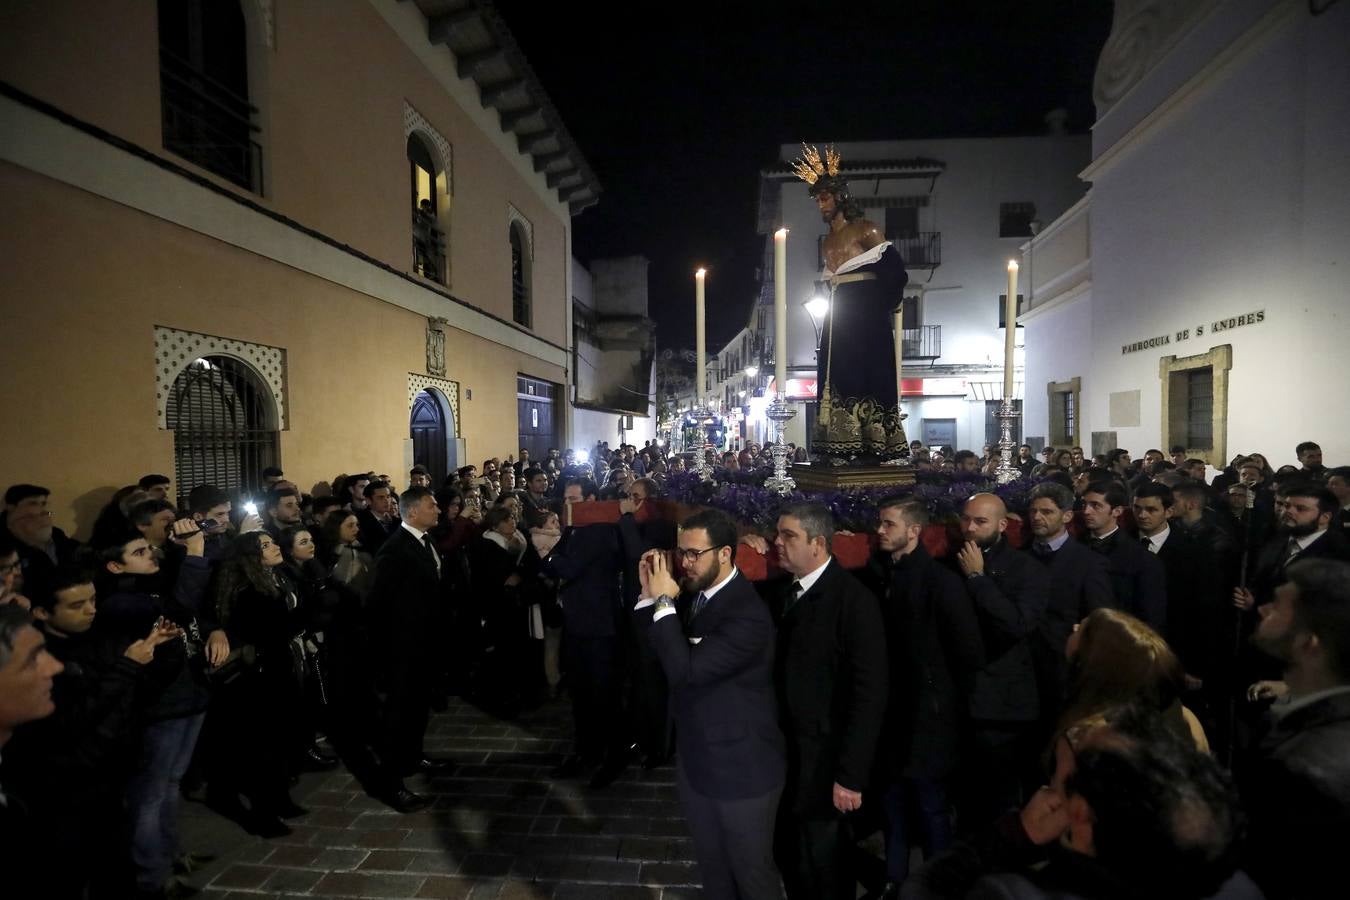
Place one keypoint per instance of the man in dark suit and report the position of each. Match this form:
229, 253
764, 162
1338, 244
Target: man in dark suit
1078, 585
647, 692
42, 547
377, 521
1010, 593
1137, 578
1195, 606
934, 648
1297, 785
1338, 482
720, 669
589, 563
407, 597
832, 674
1303, 532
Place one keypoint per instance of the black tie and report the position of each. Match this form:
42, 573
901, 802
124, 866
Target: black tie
436, 557
794, 595
1101, 545
1291, 551
1044, 551
1148, 543
699, 602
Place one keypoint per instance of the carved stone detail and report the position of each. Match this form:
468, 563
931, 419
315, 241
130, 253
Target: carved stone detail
1142, 32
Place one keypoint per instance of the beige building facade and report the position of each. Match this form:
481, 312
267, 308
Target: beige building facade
150, 286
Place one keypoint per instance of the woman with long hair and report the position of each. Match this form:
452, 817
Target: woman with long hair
1116, 659
260, 609
319, 603
347, 560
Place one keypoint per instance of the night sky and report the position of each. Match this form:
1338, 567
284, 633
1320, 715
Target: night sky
678, 114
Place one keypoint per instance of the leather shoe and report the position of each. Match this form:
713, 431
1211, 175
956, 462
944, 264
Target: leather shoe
265, 826
570, 767
607, 773
290, 810
315, 760
405, 801
429, 766
189, 862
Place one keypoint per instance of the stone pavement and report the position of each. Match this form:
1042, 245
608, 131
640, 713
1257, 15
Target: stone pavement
501, 827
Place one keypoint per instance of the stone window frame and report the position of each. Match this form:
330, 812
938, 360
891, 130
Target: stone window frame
442, 154
1220, 360
1055, 415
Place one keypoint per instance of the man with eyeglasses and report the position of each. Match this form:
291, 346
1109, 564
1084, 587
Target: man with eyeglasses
714, 638
42, 547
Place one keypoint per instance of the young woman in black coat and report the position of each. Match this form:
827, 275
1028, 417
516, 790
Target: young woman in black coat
262, 708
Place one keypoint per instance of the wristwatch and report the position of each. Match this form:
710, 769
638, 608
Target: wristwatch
971, 576
663, 603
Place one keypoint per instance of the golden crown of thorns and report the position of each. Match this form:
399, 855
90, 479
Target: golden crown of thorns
810, 168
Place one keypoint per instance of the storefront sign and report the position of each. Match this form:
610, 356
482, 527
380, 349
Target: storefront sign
1185, 334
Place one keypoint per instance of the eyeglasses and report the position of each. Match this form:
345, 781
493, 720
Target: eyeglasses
6, 568
692, 556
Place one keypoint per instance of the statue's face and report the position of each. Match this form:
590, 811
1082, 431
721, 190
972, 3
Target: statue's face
828, 206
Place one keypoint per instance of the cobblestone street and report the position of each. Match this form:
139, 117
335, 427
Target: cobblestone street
500, 827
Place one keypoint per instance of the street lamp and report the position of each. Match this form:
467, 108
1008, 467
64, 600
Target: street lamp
751, 371
818, 306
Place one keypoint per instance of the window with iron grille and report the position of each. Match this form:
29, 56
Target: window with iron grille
520, 284
1200, 408
1014, 219
223, 422
1070, 414
205, 112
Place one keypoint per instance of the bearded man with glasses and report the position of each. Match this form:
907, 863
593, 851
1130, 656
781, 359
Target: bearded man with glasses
714, 638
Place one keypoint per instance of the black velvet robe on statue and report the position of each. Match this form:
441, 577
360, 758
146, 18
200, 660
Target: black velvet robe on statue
858, 405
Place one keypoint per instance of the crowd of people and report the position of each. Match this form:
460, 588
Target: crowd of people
1063, 717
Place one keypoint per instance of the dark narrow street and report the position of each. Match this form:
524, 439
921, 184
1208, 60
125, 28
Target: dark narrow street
500, 827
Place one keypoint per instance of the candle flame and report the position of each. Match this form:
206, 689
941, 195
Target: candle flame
1012, 265
781, 234
700, 273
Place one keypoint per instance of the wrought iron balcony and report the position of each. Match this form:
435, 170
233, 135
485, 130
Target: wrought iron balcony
428, 248
209, 124
920, 249
922, 343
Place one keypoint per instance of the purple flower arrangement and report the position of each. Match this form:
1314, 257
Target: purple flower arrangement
743, 496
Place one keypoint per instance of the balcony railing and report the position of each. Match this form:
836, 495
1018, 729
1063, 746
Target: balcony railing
208, 124
920, 250
428, 248
923, 343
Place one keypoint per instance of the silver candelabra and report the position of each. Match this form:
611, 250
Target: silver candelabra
1007, 416
780, 412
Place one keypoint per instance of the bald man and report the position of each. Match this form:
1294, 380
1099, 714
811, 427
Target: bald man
1010, 591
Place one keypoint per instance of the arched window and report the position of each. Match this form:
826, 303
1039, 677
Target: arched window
520, 278
224, 425
428, 237
204, 100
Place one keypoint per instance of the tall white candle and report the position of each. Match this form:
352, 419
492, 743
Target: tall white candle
899, 317
700, 341
780, 348
1010, 319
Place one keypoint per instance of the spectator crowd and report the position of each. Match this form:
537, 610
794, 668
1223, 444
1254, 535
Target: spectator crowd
1136, 686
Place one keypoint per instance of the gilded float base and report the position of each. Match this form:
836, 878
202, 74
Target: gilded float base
836, 478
